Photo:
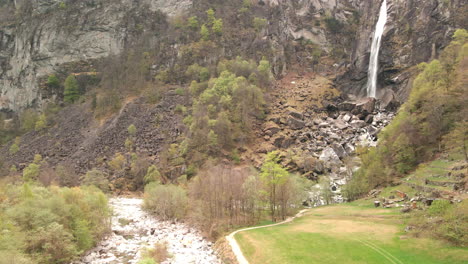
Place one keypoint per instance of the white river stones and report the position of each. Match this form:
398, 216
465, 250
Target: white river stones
133, 230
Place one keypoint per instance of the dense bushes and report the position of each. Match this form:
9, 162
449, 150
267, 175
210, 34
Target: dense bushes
436, 108
225, 107
50, 225
166, 201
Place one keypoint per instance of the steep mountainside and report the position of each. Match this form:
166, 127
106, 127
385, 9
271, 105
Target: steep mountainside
40, 39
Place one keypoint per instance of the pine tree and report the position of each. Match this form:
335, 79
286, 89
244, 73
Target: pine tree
71, 92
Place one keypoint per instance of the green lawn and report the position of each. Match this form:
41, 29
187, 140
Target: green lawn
344, 234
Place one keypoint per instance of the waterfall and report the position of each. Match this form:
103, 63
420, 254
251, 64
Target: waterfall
374, 58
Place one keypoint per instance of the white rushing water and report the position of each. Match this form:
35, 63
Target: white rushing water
375, 49
133, 230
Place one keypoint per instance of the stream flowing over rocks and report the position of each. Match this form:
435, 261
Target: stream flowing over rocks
133, 230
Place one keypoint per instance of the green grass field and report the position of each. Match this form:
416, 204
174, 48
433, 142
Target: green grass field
352, 233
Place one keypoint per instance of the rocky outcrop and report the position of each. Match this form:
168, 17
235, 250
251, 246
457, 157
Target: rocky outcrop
416, 31
52, 34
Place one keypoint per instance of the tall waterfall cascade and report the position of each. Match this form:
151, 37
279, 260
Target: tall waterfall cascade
375, 49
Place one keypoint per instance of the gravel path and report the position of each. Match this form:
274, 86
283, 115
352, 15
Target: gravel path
133, 230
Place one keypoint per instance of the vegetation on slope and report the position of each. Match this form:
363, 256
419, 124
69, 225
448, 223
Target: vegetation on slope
50, 225
433, 121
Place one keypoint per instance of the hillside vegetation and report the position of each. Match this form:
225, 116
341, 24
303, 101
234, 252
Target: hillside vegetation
431, 124
50, 225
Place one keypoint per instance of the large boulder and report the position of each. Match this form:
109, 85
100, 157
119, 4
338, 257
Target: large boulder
295, 124
366, 105
329, 155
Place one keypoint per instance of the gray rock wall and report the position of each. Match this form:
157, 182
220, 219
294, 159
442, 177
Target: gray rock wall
35, 47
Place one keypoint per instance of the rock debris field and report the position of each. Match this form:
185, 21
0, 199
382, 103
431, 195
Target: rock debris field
133, 230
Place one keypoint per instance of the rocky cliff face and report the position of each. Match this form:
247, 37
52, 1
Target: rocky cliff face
416, 31
52, 34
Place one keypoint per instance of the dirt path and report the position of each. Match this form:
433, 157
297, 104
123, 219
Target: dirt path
133, 230
235, 246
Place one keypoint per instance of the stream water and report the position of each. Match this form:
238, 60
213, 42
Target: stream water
133, 230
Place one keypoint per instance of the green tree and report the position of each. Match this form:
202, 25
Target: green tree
96, 178
71, 92
205, 33
273, 176
259, 23
132, 130
152, 175
193, 23
31, 172
210, 14
41, 123
53, 81
218, 27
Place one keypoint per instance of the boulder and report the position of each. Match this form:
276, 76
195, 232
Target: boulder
271, 128
295, 123
358, 123
346, 106
296, 114
339, 150
329, 155
366, 105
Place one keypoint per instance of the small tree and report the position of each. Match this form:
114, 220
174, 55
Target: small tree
205, 33
273, 176
53, 81
31, 172
192, 23
218, 27
132, 130
41, 122
71, 92
152, 175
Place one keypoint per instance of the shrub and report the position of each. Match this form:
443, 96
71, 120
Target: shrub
118, 162
152, 175
132, 130
205, 33
41, 123
14, 148
71, 92
28, 119
31, 172
52, 225
53, 81
259, 23
169, 202
96, 178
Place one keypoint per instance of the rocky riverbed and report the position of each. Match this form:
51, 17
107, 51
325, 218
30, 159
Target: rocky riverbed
133, 231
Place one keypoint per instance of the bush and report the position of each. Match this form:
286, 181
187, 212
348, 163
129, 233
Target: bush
169, 202
51, 225
53, 81
96, 178
152, 175
41, 123
132, 130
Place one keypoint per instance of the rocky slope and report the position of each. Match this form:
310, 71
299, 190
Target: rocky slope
317, 132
